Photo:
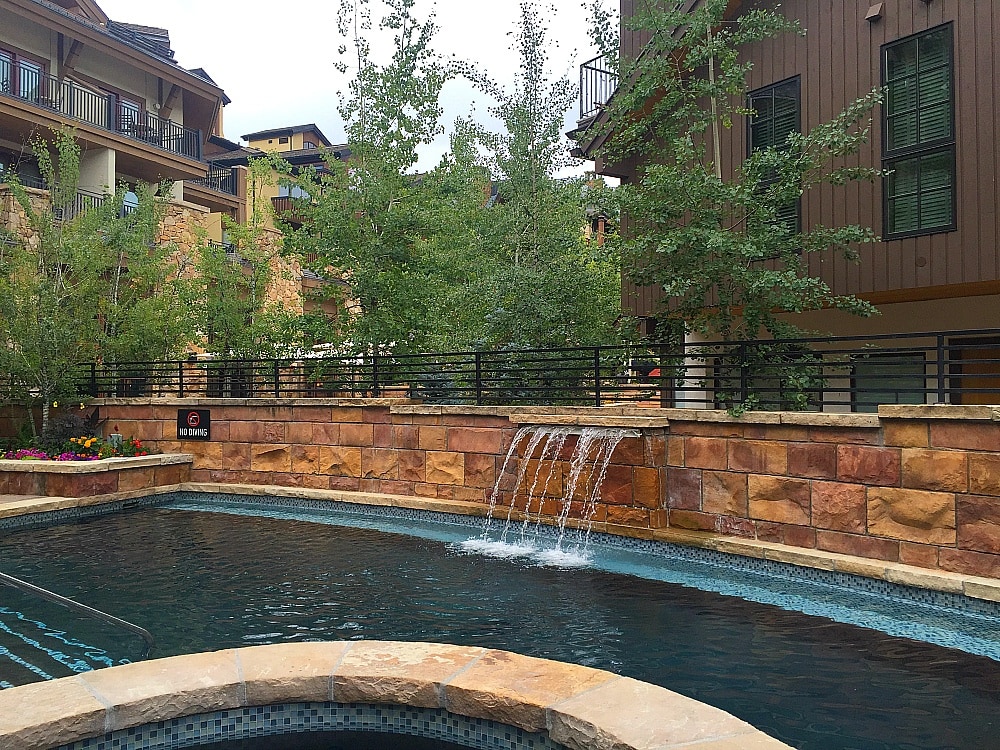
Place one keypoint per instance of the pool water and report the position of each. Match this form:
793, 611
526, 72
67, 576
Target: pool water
205, 580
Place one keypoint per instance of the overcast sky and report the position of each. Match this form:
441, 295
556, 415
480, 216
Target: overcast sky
278, 68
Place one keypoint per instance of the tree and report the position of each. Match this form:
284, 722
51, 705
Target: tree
80, 281
719, 245
145, 305
368, 220
237, 312
548, 286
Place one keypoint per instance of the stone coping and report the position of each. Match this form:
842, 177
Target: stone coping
264, 401
94, 467
637, 416
941, 411
658, 417
975, 587
580, 707
12, 506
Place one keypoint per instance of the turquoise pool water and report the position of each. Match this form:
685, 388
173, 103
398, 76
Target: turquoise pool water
203, 576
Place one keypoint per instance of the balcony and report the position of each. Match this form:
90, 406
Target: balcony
598, 82
220, 179
74, 102
285, 208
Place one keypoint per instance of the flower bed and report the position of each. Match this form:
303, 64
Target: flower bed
83, 448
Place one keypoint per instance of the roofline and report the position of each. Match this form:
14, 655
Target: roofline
586, 146
287, 130
61, 20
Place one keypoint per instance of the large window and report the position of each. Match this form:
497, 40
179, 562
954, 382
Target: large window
918, 125
774, 116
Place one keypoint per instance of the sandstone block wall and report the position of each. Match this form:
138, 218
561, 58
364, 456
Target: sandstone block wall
919, 486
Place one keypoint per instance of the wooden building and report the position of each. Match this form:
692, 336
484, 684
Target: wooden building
937, 266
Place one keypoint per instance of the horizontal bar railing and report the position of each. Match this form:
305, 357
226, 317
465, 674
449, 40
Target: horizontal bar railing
27, 82
83, 609
820, 374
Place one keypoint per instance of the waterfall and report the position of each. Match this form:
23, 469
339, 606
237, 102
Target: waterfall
538, 466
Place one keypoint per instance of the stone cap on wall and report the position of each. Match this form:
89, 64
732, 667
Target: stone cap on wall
940, 411
93, 467
580, 707
268, 401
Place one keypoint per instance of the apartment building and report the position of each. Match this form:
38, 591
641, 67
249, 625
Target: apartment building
937, 264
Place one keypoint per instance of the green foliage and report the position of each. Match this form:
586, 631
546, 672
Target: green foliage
714, 243
82, 283
546, 285
487, 249
371, 222
233, 308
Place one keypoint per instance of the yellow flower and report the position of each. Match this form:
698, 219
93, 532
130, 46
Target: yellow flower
55, 403
82, 406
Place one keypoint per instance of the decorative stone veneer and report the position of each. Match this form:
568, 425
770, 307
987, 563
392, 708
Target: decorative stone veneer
579, 707
913, 485
182, 225
92, 478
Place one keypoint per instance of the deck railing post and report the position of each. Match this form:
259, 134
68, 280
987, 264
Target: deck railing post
180, 379
940, 370
375, 385
597, 376
277, 378
479, 378
744, 374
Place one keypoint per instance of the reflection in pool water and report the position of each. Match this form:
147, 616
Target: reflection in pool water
203, 581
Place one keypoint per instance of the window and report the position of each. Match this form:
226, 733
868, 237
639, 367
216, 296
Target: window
291, 191
308, 144
282, 139
774, 116
918, 134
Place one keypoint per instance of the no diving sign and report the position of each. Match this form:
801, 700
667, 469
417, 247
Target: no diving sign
194, 424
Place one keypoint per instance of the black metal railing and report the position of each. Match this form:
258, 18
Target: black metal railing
83, 201
27, 82
219, 178
598, 82
817, 374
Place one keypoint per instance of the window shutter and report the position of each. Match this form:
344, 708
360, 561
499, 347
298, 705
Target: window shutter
919, 137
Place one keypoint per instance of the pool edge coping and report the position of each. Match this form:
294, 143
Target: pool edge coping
579, 707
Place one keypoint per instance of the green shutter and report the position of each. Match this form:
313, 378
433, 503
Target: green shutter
918, 117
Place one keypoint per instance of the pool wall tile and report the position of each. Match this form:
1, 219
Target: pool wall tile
301, 717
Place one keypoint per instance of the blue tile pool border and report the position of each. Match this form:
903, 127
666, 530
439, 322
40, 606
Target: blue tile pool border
891, 600
298, 718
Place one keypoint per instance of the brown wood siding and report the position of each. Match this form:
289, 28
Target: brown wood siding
838, 61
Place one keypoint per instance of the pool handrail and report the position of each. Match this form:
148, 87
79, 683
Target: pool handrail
97, 614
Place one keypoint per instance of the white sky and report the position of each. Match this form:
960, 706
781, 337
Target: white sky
278, 67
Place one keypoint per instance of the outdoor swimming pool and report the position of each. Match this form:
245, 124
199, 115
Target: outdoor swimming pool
207, 580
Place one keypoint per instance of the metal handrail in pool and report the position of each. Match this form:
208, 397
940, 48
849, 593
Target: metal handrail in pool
97, 614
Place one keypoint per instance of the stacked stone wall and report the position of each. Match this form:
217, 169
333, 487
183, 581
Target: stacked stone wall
917, 486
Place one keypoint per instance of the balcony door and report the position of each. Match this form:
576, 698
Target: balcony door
129, 116
20, 77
